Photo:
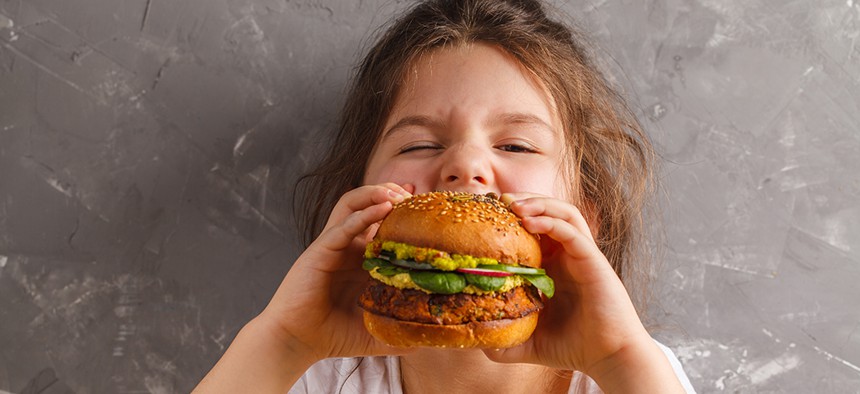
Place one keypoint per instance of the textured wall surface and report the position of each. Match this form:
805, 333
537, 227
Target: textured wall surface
148, 148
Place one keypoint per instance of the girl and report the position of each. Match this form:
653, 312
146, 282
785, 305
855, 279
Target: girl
479, 96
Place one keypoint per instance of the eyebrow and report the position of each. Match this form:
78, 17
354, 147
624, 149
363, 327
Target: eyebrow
504, 119
414, 120
524, 118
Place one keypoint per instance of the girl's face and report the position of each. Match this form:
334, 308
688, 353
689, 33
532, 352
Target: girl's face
469, 118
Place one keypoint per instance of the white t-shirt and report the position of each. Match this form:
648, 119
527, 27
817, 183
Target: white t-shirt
381, 375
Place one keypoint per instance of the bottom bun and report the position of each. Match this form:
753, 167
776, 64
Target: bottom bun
496, 334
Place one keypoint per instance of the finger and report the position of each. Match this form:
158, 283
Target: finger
339, 236
404, 190
578, 244
541, 206
509, 198
589, 265
365, 196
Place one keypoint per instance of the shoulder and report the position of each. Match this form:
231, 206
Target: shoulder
351, 375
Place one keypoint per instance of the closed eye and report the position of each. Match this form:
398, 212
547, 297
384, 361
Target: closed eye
414, 147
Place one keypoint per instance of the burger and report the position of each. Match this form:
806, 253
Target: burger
452, 269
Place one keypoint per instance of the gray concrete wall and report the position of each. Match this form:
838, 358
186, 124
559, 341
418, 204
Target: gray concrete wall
148, 147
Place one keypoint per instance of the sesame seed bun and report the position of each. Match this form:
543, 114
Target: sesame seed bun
468, 224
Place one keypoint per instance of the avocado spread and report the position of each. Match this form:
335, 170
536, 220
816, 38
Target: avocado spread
403, 281
437, 258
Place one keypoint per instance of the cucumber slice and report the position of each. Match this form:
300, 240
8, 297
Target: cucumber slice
514, 269
412, 264
484, 272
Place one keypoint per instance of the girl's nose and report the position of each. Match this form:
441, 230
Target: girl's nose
466, 169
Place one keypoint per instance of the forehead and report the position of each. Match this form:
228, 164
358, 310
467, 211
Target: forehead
473, 74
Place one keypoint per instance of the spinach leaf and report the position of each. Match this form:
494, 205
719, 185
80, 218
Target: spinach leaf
438, 282
385, 268
486, 283
370, 264
542, 282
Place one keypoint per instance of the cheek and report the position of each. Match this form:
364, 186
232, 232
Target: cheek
544, 178
399, 173
537, 186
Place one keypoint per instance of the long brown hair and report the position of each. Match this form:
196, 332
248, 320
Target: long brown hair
608, 157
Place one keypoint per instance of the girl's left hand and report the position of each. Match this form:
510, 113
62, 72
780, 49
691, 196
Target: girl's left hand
590, 324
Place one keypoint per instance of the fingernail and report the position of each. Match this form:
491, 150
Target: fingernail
395, 195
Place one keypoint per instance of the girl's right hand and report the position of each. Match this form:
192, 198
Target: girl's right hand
314, 311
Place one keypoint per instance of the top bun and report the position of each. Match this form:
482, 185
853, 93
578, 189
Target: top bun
462, 223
